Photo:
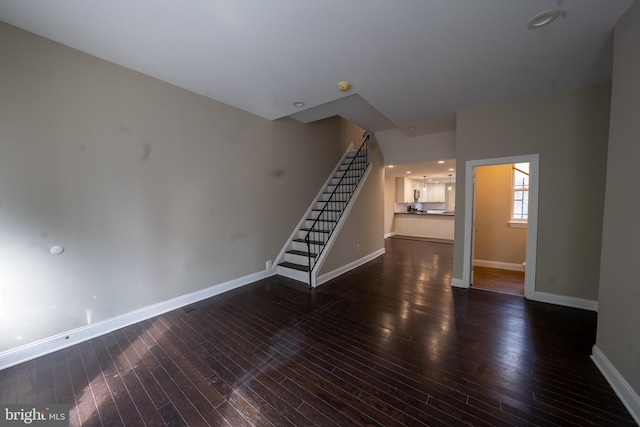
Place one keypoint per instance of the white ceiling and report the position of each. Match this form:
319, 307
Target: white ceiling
432, 170
412, 63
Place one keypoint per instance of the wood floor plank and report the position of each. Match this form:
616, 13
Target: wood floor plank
85, 408
107, 410
125, 361
118, 390
139, 356
171, 416
44, 380
62, 385
389, 343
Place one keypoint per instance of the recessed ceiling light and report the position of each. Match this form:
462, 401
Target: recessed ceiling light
390, 166
450, 169
411, 128
408, 172
299, 104
543, 18
440, 161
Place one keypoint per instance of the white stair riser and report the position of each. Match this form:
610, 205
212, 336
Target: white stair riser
338, 206
340, 173
297, 259
318, 237
341, 188
301, 276
314, 214
340, 197
299, 246
326, 215
320, 225
347, 180
346, 165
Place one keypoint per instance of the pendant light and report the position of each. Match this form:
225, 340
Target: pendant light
424, 182
449, 187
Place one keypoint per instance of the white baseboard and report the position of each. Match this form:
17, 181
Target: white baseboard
620, 386
348, 267
393, 233
458, 283
566, 301
57, 342
497, 264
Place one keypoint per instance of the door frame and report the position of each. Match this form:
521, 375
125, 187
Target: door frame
532, 223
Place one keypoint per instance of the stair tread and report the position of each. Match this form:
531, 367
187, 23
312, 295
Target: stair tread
294, 266
313, 242
315, 231
301, 253
321, 220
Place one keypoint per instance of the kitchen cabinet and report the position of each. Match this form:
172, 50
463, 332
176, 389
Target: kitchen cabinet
405, 188
450, 199
435, 193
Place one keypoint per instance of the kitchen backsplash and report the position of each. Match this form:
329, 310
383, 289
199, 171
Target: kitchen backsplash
404, 207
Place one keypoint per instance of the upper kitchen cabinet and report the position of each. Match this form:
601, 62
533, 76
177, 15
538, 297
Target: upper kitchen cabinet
409, 191
436, 193
450, 198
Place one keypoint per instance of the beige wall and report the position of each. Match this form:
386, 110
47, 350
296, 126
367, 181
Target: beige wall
494, 239
362, 233
569, 130
619, 299
153, 191
389, 203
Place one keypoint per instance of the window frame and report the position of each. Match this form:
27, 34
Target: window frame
518, 222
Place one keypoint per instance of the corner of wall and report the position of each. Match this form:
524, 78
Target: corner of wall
620, 386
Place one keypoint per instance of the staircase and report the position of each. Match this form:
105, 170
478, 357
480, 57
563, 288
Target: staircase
304, 251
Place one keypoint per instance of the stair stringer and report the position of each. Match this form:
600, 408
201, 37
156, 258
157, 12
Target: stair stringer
288, 244
336, 231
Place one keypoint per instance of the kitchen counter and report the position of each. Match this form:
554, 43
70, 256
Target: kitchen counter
425, 213
423, 224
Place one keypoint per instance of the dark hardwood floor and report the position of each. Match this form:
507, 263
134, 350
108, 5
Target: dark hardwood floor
498, 280
387, 344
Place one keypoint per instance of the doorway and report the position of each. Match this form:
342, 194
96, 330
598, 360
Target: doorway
532, 220
500, 227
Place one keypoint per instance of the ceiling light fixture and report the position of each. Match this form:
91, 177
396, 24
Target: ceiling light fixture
449, 187
440, 161
543, 18
344, 86
411, 128
424, 182
299, 104
408, 172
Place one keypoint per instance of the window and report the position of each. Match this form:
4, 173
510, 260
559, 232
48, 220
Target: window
520, 204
